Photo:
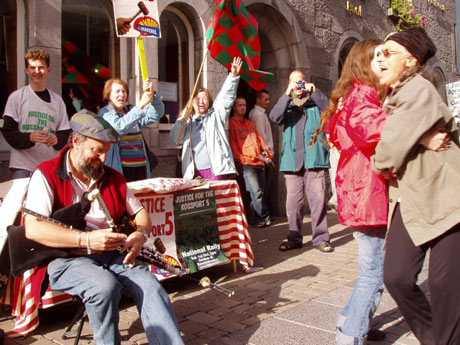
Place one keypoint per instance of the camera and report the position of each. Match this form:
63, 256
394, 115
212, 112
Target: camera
302, 85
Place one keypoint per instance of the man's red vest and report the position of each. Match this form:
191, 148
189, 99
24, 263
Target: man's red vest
112, 185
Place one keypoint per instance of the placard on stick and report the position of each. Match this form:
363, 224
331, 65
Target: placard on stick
135, 18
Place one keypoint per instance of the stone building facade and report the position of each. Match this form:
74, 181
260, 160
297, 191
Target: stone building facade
314, 36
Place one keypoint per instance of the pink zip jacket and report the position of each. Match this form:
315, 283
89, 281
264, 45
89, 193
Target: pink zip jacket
362, 194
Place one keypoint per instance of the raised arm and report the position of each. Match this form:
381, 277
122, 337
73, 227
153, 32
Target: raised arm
227, 94
153, 111
122, 124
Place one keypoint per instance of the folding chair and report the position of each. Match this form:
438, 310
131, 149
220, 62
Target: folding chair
79, 318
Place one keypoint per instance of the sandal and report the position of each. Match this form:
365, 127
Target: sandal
288, 245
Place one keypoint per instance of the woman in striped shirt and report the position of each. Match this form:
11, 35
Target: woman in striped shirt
131, 155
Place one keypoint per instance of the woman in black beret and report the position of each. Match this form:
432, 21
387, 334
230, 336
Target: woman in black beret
424, 210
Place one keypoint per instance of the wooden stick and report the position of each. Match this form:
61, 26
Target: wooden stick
190, 100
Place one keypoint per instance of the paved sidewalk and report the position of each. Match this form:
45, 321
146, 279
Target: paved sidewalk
293, 300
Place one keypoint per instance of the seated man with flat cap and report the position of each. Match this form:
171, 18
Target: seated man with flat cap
102, 272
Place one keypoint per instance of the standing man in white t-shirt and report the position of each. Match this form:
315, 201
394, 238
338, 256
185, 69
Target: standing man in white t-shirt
258, 115
35, 119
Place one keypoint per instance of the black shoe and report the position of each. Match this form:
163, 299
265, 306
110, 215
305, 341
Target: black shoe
325, 247
376, 335
288, 244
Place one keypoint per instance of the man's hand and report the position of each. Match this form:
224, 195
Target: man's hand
236, 66
134, 244
265, 159
292, 84
435, 140
39, 137
123, 25
52, 139
105, 240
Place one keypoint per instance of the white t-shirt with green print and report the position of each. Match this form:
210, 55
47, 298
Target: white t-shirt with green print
34, 114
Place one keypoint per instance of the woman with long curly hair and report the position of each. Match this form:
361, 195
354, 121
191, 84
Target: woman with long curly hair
354, 120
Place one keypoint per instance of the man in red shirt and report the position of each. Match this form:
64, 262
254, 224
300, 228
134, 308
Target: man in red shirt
252, 154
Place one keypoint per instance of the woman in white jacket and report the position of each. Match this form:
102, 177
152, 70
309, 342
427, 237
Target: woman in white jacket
203, 134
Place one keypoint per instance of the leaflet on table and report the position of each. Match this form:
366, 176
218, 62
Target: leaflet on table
197, 235
184, 230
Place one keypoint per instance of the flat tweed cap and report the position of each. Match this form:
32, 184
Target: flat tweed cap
417, 42
90, 125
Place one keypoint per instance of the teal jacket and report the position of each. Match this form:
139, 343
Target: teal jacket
300, 123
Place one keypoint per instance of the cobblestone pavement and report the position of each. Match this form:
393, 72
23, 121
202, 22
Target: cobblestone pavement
293, 300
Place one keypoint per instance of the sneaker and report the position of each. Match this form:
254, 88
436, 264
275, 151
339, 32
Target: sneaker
268, 221
376, 335
264, 222
325, 247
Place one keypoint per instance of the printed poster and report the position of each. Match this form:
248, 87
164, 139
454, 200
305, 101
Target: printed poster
197, 236
162, 239
136, 18
453, 99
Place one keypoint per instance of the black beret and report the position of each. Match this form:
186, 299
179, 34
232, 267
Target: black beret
417, 42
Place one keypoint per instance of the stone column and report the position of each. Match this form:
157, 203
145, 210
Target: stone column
45, 31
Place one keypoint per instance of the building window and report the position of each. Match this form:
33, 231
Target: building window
87, 52
457, 35
174, 60
344, 51
8, 68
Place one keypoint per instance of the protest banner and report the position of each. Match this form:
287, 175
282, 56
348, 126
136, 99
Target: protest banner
453, 99
197, 235
163, 235
136, 18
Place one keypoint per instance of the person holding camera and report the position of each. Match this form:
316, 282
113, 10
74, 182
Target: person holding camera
304, 164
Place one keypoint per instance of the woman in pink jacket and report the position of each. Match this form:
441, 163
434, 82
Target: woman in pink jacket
354, 128
354, 120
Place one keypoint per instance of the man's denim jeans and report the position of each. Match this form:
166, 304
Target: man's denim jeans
353, 321
99, 280
254, 179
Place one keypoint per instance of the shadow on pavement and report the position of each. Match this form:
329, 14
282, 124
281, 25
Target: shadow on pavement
211, 318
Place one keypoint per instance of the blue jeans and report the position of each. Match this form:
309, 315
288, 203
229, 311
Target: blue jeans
353, 321
254, 179
99, 280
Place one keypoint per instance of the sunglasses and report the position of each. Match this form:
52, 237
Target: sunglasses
387, 53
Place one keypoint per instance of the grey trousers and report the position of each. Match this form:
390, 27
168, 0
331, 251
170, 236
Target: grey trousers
311, 183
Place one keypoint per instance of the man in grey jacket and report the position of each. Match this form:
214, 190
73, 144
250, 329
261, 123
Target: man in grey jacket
203, 134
